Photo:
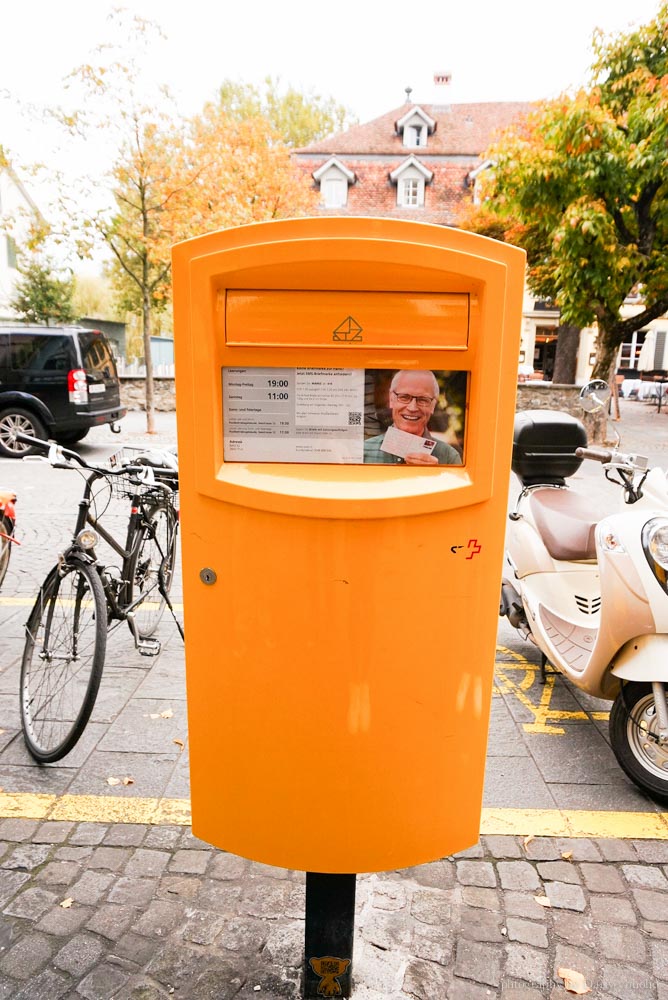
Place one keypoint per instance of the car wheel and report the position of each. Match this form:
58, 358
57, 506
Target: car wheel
15, 421
71, 437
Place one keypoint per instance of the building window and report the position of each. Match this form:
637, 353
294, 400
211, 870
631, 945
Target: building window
11, 252
334, 179
334, 192
410, 178
415, 127
410, 192
629, 352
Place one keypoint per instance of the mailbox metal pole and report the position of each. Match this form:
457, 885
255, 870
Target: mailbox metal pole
330, 926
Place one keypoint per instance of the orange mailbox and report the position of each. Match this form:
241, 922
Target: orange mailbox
345, 400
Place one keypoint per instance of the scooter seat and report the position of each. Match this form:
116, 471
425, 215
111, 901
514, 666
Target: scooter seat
565, 523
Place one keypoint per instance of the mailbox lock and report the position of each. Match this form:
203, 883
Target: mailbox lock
207, 575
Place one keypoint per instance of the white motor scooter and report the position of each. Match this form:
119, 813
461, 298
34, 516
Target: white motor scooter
592, 593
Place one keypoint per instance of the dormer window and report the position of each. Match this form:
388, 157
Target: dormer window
334, 179
415, 127
476, 179
410, 178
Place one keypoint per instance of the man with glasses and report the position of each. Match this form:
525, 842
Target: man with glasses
413, 399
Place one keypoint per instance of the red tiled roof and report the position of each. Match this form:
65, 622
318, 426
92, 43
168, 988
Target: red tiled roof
461, 129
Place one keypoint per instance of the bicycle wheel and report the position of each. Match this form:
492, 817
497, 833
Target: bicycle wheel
152, 566
66, 639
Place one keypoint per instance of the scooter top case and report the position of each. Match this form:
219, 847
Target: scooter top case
544, 443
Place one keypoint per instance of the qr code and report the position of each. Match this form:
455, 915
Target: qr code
354, 418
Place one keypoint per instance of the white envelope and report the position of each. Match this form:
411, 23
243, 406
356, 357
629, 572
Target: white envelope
401, 443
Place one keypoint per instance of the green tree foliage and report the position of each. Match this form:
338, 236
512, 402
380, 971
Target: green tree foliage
94, 297
297, 118
583, 186
43, 294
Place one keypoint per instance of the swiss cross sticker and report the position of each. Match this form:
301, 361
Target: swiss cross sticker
473, 548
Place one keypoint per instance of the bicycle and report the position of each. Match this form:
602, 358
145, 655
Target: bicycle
81, 599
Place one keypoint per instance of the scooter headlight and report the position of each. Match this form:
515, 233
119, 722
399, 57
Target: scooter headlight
655, 546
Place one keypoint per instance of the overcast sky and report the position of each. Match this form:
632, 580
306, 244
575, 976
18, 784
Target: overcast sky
363, 54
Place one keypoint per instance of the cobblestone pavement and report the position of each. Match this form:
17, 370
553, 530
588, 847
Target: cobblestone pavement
143, 910
139, 913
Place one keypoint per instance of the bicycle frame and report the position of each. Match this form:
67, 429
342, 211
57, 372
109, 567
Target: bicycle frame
119, 605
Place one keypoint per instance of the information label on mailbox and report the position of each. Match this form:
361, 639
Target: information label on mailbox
329, 415
293, 414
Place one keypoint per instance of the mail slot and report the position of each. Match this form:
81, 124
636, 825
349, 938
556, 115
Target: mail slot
393, 320
345, 403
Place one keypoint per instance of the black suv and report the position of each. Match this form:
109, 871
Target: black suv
55, 382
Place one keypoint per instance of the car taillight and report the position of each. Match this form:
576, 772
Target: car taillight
77, 386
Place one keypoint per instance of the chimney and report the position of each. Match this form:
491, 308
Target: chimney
442, 81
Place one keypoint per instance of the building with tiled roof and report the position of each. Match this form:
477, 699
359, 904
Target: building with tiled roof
413, 162
421, 162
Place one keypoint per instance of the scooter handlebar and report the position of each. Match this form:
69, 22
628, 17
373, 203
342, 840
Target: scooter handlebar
595, 454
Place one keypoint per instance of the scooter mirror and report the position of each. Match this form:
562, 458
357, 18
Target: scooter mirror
595, 395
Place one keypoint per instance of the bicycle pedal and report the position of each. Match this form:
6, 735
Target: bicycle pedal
149, 647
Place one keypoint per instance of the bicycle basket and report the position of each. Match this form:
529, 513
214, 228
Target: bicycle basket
128, 486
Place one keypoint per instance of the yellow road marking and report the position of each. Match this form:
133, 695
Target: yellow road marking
27, 602
155, 811
575, 823
94, 808
544, 716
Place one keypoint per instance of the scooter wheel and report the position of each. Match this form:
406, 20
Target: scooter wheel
634, 731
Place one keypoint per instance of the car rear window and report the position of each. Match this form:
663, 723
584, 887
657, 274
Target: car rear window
37, 351
96, 354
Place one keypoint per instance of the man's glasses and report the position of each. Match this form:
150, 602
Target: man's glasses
422, 401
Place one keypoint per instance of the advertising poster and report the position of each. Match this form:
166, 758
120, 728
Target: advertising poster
344, 416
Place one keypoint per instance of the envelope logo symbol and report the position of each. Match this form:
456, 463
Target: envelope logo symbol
348, 331
329, 970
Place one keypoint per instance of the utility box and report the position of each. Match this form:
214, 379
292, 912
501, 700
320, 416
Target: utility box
345, 403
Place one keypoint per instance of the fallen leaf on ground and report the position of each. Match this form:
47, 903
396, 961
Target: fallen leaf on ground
179, 743
543, 900
66, 903
167, 714
527, 840
128, 781
574, 982
567, 855
153, 715
113, 781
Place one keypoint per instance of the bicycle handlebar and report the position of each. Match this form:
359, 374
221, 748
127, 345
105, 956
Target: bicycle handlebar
54, 451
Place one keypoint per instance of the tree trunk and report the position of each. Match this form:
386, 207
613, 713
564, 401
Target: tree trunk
148, 361
607, 348
566, 360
